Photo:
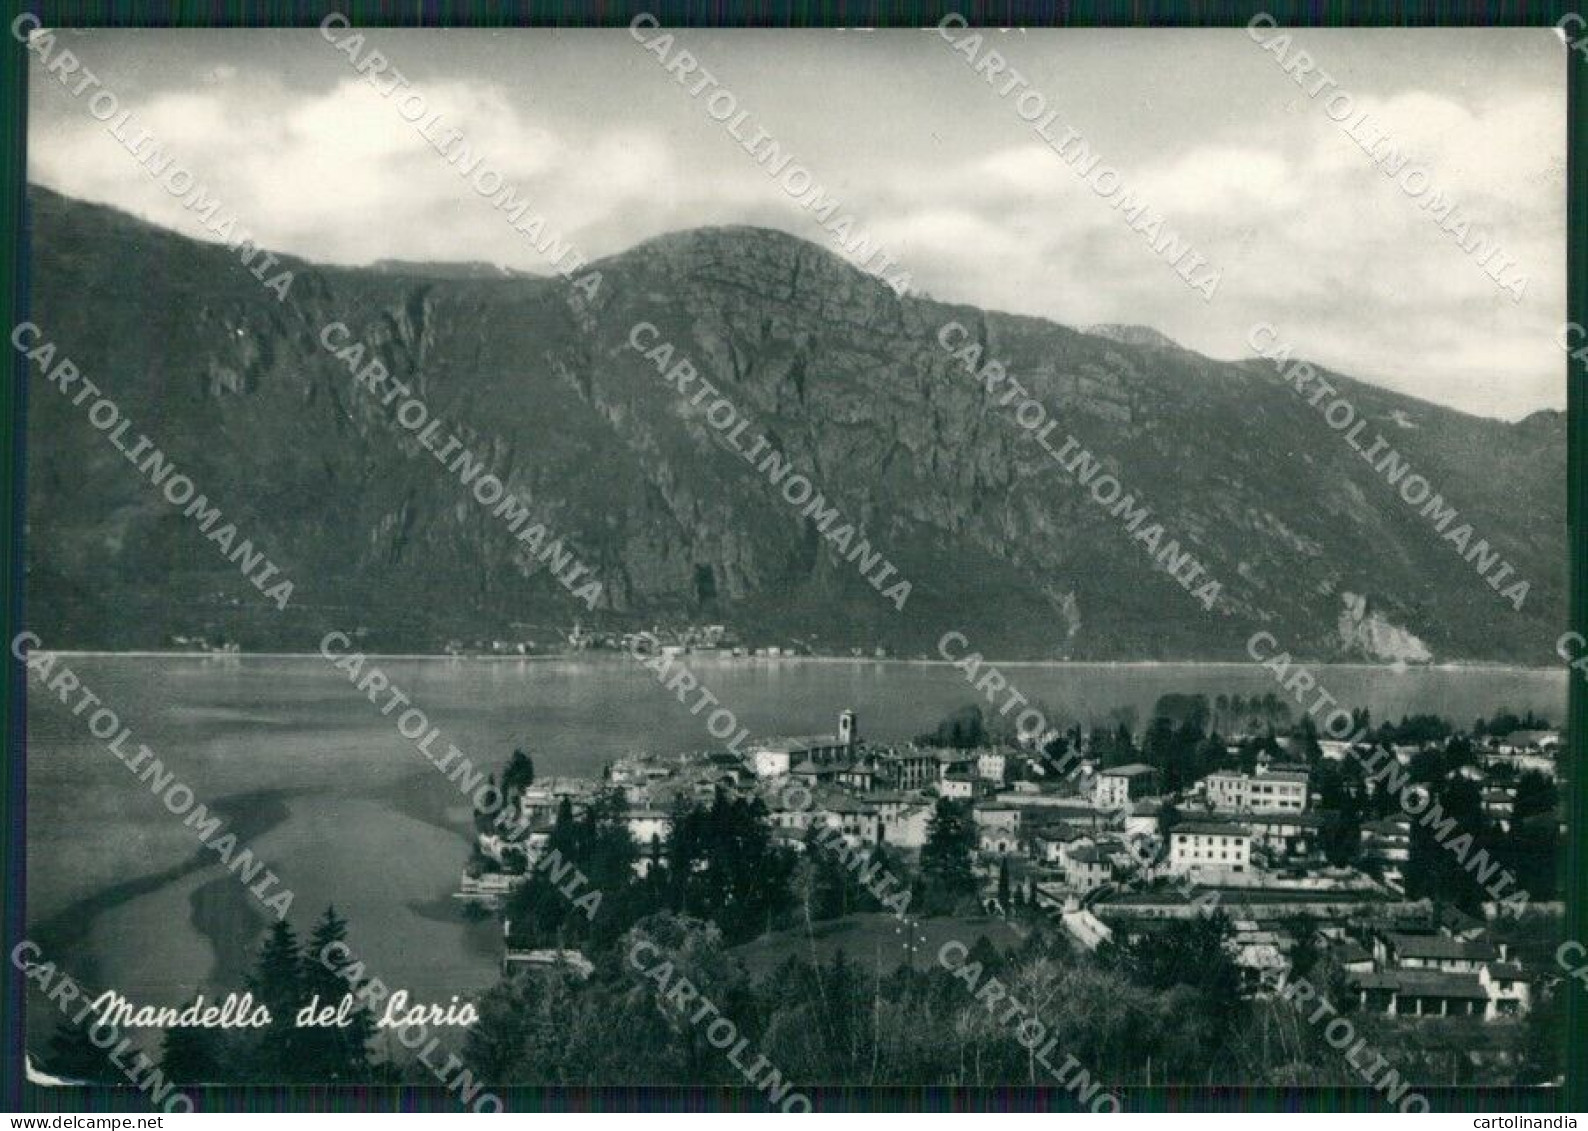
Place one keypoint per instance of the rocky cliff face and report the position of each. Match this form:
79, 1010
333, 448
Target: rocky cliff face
845, 378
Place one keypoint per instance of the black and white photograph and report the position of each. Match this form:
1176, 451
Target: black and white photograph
777, 561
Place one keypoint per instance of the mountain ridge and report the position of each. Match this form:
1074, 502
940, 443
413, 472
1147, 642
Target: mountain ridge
844, 377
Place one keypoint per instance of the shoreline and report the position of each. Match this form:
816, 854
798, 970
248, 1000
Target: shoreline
248, 816
697, 657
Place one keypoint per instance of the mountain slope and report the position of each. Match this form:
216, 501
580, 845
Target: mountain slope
846, 378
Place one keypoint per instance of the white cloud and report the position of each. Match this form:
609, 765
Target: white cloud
1309, 234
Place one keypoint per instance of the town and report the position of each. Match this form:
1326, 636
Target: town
1309, 853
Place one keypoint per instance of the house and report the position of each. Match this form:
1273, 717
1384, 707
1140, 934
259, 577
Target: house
1225, 790
774, 757
906, 827
889, 804
771, 760
1387, 841
1142, 819
1351, 958
1267, 764
1048, 844
1196, 846
997, 841
1284, 834
1499, 805
960, 763
1115, 787
1089, 866
648, 825
547, 959
1259, 953
1420, 993
540, 801
859, 823
1530, 741
991, 765
996, 814
487, 889
1277, 791
1509, 988
957, 787
908, 767
859, 775
1436, 952
810, 773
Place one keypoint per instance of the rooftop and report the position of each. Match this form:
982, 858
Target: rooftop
1210, 828
1440, 947
1421, 983
797, 744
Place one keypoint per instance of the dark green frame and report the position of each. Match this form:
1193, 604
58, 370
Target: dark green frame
15, 1095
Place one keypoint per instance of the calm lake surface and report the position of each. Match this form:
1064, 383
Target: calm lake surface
345, 810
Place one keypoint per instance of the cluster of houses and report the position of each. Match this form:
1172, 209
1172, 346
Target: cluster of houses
1100, 847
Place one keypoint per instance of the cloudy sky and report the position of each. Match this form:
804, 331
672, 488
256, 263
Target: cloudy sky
1203, 124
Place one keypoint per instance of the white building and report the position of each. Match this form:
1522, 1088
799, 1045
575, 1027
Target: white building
773, 757
1197, 847
991, 765
1263, 793
906, 827
1113, 788
957, 788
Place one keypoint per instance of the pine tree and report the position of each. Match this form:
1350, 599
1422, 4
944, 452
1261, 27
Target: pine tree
946, 856
1003, 885
74, 1055
519, 773
332, 1054
196, 1056
277, 982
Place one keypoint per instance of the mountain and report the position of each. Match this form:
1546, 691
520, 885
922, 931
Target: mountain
468, 269
1132, 335
845, 378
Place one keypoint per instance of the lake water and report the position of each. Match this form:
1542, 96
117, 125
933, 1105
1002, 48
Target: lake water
347, 812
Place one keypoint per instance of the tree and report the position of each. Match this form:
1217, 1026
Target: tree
197, 1056
1535, 794
277, 983
73, 1054
1432, 870
946, 857
1168, 818
722, 865
1306, 954
332, 1054
520, 772
964, 729
1003, 885
1195, 954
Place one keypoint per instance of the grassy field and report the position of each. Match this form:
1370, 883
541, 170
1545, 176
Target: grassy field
875, 939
